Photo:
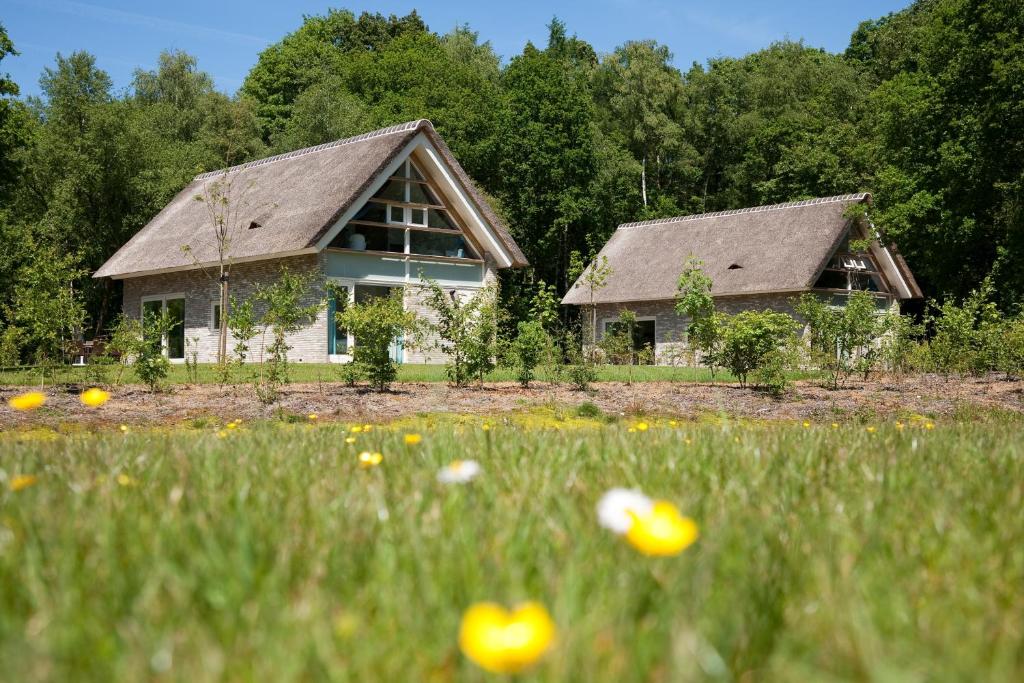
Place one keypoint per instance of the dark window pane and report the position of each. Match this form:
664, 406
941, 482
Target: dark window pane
393, 190
373, 212
415, 173
338, 302
151, 311
417, 217
438, 244
421, 194
397, 214
439, 219
176, 335
369, 237
832, 279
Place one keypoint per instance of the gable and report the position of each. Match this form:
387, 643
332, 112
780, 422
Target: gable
417, 206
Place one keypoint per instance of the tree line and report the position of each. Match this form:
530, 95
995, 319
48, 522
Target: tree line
923, 109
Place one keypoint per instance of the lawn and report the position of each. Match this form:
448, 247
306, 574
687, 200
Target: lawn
265, 553
323, 372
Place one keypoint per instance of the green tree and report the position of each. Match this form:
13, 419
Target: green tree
841, 337
287, 309
47, 302
466, 329
752, 338
694, 300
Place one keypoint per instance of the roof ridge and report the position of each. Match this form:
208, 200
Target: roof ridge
362, 137
753, 209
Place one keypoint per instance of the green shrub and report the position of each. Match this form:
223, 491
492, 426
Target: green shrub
748, 337
842, 339
527, 349
589, 409
467, 330
375, 324
284, 314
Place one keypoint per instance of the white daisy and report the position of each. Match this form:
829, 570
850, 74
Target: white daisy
459, 472
614, 507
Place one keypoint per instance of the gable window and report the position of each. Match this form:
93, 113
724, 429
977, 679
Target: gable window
172, 306
851, 272
406, 216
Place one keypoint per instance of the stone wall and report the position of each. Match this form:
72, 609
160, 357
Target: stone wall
202, 290
670, 327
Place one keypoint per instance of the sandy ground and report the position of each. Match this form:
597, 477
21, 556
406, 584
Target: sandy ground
876, 399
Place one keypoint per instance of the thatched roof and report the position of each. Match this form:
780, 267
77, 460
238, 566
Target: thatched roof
777, 248
295, 198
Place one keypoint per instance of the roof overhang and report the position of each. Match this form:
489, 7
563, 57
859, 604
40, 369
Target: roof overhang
212, 264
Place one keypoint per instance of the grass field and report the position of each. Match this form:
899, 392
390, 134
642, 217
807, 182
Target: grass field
323, 372
826, 553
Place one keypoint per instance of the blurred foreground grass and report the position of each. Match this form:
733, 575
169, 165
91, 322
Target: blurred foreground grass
269, 555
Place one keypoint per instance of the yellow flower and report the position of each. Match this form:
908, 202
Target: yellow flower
368, 459
94, 397
631, 430
736, 439
222, 434
672, 423
367, 428
313, 417
412, 439
663, 531
124, 480
503, 641
835, 425
486, 427
871, 430
23, 481
641, 426
124, 429
806, 424
350, 439
899, 425
688, 441
28, 401
929, 425
654, 527
231, 425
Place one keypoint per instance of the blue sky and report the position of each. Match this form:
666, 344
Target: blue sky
227, 35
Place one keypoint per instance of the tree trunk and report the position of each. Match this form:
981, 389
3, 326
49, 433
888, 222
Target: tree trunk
222, 341
643, 179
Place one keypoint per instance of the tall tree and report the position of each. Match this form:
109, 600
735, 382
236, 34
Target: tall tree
642, 95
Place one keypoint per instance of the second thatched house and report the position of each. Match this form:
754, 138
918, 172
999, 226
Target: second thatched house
758, 258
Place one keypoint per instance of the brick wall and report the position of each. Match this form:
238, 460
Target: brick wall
670, 327
308, 345
201, 291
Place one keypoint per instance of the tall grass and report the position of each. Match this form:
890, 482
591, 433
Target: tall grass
268, 555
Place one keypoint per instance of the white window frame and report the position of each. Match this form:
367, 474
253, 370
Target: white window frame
163, 299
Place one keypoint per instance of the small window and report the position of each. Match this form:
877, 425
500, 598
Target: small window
216, 316
253, 225
397, 214
418, 216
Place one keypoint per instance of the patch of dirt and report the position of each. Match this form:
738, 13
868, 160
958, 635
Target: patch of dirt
880, 399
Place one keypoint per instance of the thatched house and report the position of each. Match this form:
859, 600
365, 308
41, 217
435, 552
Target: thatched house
370, 213
758, 258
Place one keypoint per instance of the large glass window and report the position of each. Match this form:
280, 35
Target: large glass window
405, 216
173, 307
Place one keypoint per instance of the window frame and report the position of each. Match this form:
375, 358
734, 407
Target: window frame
163, 299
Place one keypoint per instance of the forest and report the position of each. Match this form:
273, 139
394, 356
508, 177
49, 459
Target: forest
924, 109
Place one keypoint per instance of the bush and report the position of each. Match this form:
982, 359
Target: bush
842, 338
151, 365
528, 349
284, 315
965, 337
749, 337
466, 329
375, 324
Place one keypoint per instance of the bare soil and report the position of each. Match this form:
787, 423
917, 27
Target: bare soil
879, 399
